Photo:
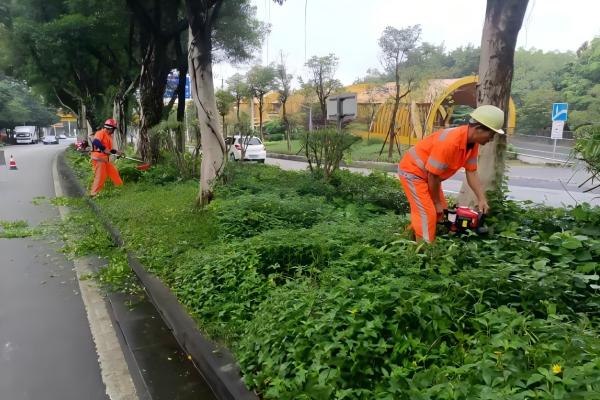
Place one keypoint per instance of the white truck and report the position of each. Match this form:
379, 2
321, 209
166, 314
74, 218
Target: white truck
27, 134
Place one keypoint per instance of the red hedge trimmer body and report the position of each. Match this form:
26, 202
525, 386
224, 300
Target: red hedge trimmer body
463, 219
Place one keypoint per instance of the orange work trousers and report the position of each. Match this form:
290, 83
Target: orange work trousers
102, 169
423, 218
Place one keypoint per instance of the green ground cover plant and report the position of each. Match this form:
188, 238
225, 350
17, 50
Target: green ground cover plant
16, 229
320, 294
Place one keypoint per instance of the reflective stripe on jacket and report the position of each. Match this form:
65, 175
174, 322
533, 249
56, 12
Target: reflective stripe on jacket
442, 153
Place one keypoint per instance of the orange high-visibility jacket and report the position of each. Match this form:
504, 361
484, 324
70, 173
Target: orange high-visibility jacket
106, 140
442, 153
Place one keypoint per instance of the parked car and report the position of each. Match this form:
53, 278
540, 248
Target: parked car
254, 149
50, 139
62, 136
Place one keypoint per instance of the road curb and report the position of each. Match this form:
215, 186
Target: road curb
215, 363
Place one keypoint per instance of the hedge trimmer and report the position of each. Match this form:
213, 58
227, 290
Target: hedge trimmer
460, 220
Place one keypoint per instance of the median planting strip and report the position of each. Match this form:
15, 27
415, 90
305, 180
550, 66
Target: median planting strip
318, 292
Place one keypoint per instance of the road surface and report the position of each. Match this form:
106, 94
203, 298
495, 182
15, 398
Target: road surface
553, 186
46, 348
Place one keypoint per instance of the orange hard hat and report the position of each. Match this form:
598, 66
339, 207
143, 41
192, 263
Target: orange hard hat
110, 124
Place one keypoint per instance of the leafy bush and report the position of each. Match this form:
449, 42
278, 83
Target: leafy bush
325, 149
274, 127
314, 287
587, 146
276, 137
246, 216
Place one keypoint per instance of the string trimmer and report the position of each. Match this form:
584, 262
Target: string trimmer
143, 165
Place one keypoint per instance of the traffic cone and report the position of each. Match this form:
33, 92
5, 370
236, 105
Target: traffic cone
12, 164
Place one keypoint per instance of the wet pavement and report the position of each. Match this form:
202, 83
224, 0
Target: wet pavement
159, 367
166, 370
46, 348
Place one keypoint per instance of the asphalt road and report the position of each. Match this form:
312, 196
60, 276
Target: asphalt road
536, 149
553, 186
46, 348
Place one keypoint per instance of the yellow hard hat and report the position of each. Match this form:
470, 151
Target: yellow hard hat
490, 116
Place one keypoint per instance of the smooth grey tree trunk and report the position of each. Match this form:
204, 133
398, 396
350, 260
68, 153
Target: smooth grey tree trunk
503, 20
203, 94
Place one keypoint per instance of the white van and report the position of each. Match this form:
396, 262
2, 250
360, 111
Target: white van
27, 134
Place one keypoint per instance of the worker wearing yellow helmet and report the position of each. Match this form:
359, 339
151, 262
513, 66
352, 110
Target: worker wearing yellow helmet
439, 156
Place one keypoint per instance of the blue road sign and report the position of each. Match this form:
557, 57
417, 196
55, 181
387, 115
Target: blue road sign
559, 111
172, 82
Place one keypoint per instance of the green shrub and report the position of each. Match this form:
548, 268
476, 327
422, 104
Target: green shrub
587, 147
274, 127
325, 149
247, 215
313, 285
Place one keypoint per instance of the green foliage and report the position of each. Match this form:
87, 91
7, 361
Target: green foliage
274, 129
260, 80
325, 149
83, 234
578, 84
533, 87
225, 101
75, 51
118, 276
15, 229
587, 146
313, 286
18, 106
321, 80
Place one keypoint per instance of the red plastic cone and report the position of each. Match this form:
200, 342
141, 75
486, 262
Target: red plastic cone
12, 164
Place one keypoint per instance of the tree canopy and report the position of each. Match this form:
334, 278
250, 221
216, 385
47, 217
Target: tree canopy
19, 106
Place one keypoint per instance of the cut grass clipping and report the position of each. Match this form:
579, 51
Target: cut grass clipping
15, 229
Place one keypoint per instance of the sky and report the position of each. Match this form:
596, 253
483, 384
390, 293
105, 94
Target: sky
351, 28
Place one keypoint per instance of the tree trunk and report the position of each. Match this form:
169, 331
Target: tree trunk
286, 126
153, 80
203, 94
503, 20
392, 128
260, 117
84, 126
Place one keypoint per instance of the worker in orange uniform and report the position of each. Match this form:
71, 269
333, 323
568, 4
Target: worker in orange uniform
102, 148
436, 158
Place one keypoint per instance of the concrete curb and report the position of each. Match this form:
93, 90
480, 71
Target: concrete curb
216, 363
381, 166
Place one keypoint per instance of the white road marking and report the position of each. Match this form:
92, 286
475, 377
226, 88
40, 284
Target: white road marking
113, 367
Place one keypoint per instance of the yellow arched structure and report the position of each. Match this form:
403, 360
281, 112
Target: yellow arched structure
418, 118
462, 92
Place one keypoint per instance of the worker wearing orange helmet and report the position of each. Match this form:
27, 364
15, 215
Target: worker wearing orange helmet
102, 148
436, 158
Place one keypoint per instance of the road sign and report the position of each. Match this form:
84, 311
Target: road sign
557, 129
346, 103
559, 111
173, 81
